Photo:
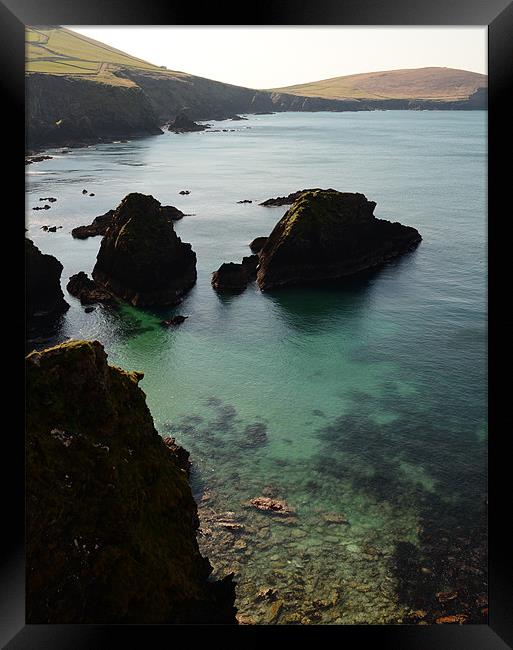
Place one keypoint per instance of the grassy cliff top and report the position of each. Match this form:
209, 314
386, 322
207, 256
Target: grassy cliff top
60, 51
446, 84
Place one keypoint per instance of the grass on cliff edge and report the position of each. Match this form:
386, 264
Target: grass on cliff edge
57, 50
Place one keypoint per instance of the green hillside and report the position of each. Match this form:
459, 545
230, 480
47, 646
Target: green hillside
442, 84
59, 51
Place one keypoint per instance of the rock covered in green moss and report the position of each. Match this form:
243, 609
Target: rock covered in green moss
327, 234
141, 259
111, 521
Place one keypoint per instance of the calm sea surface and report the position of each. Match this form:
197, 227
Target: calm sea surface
367, 399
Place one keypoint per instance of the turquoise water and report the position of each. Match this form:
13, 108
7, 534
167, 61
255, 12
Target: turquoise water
371, 394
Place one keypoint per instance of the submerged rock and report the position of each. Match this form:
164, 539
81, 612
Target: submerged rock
111, 521
183, 124
271, 505
88, 291
257, 244
327, 234
141, 259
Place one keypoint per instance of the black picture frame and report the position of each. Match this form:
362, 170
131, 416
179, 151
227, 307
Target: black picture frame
498, 16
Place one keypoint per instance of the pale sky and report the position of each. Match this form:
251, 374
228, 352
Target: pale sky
270, 57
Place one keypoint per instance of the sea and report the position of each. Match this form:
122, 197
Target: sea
362, 405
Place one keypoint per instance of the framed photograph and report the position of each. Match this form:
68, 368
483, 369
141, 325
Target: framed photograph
261, 282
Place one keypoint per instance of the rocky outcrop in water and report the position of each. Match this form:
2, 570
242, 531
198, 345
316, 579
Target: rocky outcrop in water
232, 277
183, 124
111, 521
88, 291
257, 244
99, 225
44, 300
141, 259
327, 234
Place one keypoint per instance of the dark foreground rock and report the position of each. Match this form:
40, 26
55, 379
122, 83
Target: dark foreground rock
141, 259
327, 234
257, 244
183, 124
88, 291
232, 277
44, 300
111, 521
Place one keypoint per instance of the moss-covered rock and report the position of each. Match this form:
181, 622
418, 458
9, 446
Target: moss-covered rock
111, 521
327, 234
141, 259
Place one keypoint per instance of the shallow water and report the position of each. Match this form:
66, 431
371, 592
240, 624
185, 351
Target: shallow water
367, 398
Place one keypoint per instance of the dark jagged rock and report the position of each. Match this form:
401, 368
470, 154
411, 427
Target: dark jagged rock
327, 234
50, 199
171, 213
88, 291
42, 207
99, 226
34, 159
245, 201
84, 191
175, 320
141, 259
289, 199
182, 456
44, 297
183, 124
111, 521
184, 192
232, 277
250, 264
257, 244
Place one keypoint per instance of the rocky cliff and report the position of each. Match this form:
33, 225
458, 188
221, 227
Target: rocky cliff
141, 259
70, 111
327, 234
111, 522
